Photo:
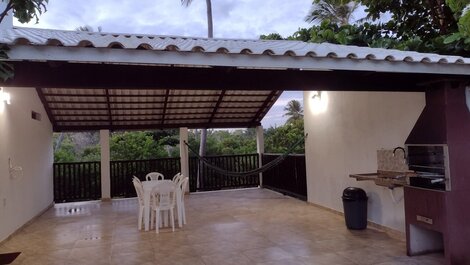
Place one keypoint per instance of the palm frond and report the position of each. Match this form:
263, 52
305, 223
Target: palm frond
186, 2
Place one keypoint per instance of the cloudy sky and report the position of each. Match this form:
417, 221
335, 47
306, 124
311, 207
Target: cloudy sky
246, 19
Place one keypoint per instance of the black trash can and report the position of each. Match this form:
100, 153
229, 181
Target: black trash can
355, 208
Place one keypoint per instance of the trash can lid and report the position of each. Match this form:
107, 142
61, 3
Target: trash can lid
354, 193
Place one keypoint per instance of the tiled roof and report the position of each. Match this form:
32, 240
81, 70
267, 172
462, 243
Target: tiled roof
47, 37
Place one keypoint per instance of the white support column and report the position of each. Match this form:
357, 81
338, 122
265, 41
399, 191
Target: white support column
105, 166
260, 150
184, 156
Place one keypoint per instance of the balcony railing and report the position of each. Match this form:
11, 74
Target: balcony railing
123, 171
77, 181
82, 181
211, 180
289, 177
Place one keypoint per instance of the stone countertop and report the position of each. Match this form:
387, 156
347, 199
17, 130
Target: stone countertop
389, 179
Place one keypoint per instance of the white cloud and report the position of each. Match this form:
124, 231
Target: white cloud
232, 18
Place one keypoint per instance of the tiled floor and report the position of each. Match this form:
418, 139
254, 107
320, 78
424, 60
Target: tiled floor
232, 227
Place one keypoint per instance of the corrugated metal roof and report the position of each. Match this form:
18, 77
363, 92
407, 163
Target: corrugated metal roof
72, 109
47, 37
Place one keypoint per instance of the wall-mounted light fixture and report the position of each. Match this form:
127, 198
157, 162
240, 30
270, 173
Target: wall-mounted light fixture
319, 101
4, 96
4, 99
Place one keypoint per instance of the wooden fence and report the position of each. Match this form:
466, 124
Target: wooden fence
289, 177
123, 171
81, 181
210, 179
77, 181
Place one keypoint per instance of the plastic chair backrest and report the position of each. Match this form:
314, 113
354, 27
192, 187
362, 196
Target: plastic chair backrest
136, 179
176, 177
164, 194
139, 190
182, 184
154, 176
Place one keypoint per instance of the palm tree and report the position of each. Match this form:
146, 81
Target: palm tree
294, 111
337, 11
210, 35
210, 30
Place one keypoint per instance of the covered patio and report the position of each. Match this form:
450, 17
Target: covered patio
105, 81
252, 226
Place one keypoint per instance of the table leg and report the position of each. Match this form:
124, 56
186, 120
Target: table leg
147, 211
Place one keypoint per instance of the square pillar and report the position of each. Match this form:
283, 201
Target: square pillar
260, 150
184, 155
105, 165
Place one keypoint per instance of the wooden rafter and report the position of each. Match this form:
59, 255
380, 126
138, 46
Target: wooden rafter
146, 96
167, 93
46, 106
216, 107
155, 126
153, 114
265, 104
110, 116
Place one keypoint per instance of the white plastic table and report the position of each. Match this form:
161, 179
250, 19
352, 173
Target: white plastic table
148, 187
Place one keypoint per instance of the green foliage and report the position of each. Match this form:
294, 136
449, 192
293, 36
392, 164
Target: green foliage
24, 11
272, 36
294, 111
223, 142
424, 18
134, 146
278, 140
339, 12
91, 153
66, 152
434, 26
6, 69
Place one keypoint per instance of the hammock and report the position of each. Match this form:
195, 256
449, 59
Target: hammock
265, 167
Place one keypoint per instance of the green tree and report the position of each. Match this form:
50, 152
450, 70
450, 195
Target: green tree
24, 11
337, 11
210, 34
435, 26
294, 111
134, 146
66, 151
280, 139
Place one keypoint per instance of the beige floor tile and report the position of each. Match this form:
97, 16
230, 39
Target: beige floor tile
253, 226
260, 255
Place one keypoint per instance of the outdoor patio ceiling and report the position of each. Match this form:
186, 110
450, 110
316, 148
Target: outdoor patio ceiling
71, 109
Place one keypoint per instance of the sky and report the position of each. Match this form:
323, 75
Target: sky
246, 19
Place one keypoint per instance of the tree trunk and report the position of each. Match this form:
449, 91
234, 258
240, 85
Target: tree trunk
210, 29
202, 143
202, 152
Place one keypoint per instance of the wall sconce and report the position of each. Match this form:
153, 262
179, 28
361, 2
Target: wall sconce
319, 102
4, 96
4, 99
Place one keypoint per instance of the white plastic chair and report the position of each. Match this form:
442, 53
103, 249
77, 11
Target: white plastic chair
164, 199
154, 176
182, 190
140, 198
176, 178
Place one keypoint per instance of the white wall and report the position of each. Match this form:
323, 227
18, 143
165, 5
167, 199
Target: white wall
28, 143
345, 138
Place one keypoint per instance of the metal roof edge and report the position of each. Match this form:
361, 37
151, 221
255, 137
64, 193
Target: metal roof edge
256, 61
